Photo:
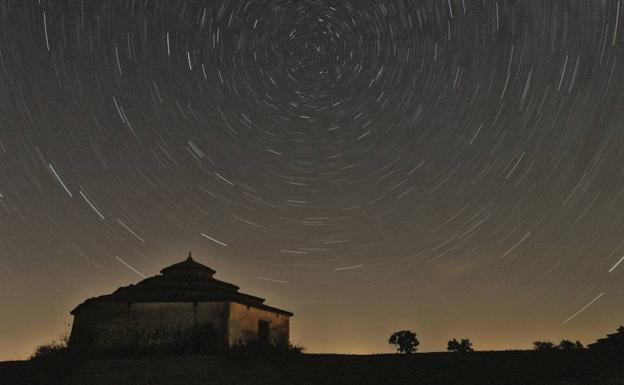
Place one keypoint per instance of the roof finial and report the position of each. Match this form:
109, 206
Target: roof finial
189, 257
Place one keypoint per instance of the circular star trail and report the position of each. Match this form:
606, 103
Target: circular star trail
453, 167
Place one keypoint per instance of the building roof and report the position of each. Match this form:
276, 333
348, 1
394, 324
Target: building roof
188, 267
186, 281
611, 341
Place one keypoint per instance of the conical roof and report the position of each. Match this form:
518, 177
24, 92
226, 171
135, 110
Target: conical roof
186, 281
188, 268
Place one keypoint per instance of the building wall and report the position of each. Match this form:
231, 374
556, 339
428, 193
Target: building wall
243, 324
110, 326
99, 325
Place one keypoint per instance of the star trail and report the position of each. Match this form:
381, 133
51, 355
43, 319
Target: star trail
453, 167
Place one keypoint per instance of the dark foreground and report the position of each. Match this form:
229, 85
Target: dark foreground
518, 367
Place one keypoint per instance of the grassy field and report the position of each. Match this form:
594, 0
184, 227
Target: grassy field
500, 368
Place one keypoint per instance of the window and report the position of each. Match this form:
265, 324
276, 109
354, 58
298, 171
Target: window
263, 331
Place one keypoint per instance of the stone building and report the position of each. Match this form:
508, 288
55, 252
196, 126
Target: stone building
184, 307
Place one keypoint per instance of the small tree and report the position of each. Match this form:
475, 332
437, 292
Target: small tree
462, 346
543, 345
405, 341
568, 346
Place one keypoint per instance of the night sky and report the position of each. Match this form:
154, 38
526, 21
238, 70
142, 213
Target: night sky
452, 167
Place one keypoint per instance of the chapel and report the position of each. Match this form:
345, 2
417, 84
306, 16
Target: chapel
184, 305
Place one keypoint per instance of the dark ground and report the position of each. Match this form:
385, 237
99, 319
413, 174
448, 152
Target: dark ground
500, 368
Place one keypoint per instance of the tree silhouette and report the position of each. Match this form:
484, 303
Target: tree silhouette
568, 346
462, 346
405, 341
543, 345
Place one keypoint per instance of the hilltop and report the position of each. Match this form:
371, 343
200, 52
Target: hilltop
500, 368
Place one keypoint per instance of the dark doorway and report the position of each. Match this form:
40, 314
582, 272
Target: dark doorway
263, 331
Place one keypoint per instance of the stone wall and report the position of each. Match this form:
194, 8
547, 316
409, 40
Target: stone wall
243, 324
144, 326
99, 326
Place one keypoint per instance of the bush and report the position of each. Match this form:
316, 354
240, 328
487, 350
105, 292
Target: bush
295, 349
255, 348
569, 346
204, 339
462, 346
543, 345
55, 349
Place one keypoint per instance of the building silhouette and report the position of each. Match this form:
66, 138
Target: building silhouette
183, 307
612, 342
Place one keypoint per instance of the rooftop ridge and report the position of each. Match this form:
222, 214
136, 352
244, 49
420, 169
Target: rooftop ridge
188, 267
186, 281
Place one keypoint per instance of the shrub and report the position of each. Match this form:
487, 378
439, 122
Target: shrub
255, 348
569, 346
543, 345
462, 346
55, 349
